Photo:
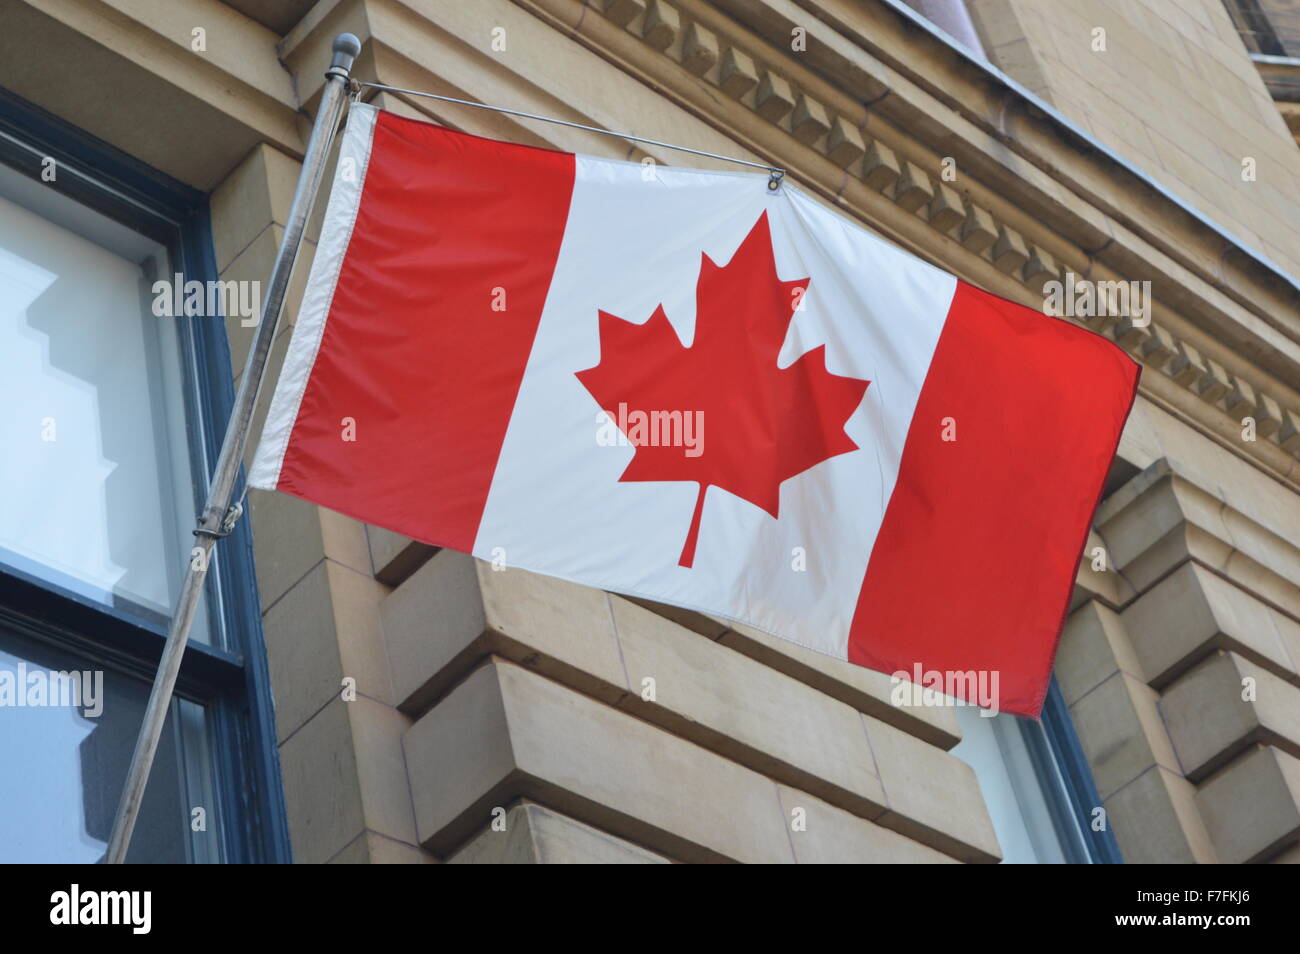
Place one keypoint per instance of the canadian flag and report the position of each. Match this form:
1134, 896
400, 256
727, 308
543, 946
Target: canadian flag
686, 386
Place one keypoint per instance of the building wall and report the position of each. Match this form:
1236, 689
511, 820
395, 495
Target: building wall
483, 696
1168, 86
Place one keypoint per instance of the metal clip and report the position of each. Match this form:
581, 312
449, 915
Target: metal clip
227, 523
774, 179
232, 517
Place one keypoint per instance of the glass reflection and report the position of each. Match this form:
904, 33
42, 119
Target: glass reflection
97, 495
65, 744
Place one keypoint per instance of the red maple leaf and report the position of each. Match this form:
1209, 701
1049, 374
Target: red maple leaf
762, 424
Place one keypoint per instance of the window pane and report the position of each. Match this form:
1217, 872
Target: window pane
1018, 798
67, 741
98, 496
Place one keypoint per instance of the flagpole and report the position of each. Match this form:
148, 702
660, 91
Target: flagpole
219, 517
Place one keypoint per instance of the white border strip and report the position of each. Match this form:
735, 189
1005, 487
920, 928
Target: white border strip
335, 236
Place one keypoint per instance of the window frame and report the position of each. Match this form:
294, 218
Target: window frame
1054, 748
232, 682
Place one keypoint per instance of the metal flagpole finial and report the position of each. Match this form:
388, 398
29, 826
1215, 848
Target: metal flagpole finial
346, 49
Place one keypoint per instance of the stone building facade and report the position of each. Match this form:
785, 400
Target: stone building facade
501, 716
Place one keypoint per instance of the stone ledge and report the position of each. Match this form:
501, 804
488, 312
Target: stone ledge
1119, 729
1192, 612
605, 647
1210, 722
1156, 821
1252, 807
1094, 646
1164, 516
395, 557
505, 732
533, 834
863, 689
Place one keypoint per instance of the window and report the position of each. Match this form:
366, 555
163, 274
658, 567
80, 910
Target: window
1037, 785
73, 749
112, 419
953, 18
1266, 28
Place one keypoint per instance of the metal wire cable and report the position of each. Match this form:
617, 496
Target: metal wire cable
777, 174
